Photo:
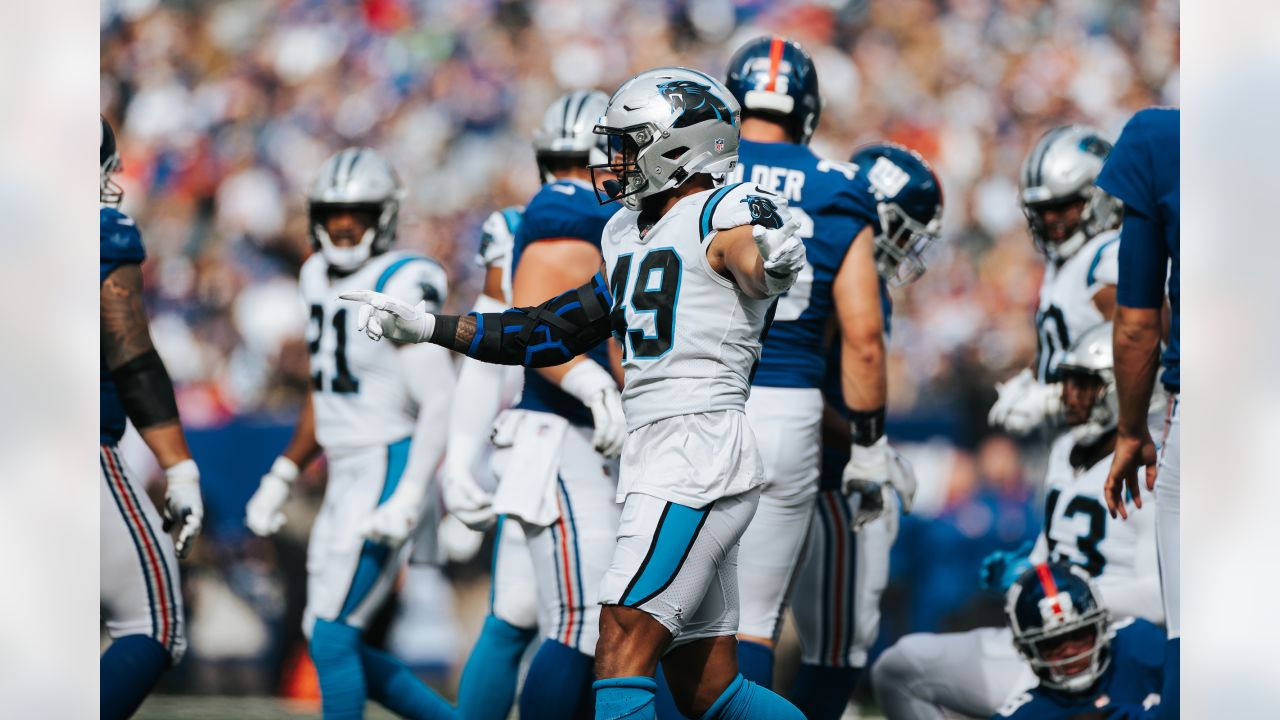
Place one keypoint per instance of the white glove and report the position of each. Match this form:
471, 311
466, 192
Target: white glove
1024, 404
783, 254
466, 500
595, 388
384, 316
183, 507
459, 542
873, 473
262, 515
393, 522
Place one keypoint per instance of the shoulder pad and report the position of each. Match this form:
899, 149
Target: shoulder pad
413, 278
741, 204
119, 240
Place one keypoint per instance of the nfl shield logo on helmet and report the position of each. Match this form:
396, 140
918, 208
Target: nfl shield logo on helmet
719, 145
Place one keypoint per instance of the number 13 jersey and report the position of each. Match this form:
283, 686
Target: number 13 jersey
358, 391
689, 337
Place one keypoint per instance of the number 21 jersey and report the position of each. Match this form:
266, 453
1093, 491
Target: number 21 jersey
689, 337
358, 390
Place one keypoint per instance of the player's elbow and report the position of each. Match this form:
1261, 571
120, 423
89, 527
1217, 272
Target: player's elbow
1137, 326
863, 342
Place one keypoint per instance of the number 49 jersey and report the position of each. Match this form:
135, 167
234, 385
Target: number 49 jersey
1066, 299
1119, 554
833, 203
358, 391
689, 337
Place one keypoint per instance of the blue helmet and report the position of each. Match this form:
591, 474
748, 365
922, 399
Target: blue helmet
1052, 609
909, 203
775, 76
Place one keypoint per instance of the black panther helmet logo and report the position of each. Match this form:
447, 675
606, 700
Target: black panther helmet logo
763, 212
695, 102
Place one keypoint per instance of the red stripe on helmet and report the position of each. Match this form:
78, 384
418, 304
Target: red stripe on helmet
1050, 587
775, 59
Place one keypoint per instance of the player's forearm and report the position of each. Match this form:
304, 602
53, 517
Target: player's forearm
863, 376
303, 446
1136, 345
167, 443
430, 375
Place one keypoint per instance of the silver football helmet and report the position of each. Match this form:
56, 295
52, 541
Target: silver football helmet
1092, 355
566, 130
664, 126
1061, 170
355, 179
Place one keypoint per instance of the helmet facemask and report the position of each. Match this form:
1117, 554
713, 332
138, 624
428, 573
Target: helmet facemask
1078, 670
625, 146
901, 244
379, 221
109, 191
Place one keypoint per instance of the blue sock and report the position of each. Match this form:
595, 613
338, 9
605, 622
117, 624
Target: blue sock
744, 700
558, 684
1170, 701
126, 672
626, 698
335, 650
488, 685
393, 684
663, 701
755, 662
821, 692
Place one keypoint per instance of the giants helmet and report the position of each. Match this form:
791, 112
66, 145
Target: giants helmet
774, 76
909, 203
1053, 603
566, 131
109, 193
355, 179
1061, 170
664, 126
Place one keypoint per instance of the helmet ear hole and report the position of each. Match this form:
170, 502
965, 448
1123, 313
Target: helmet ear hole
675, 153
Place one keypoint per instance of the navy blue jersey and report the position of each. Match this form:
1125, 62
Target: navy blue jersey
120, 244
835, 458
833, 203
1142, 171
561, 209
1132, 679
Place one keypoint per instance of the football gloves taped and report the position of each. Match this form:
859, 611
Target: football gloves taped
594, 387
183, 508
383, 316
872, 473
1024, 404
263, 513
783, 253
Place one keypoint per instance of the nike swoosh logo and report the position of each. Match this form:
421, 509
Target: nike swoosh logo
628, 108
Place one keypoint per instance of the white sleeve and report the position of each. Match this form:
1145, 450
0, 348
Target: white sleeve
1136, 595
421, 279
480, 390
428, 372
1104, 266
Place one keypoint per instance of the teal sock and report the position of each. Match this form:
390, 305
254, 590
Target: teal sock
488, 686
393, 684
335, 650
744, 700
626, 698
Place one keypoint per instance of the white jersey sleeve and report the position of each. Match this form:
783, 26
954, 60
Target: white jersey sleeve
419, 279
1066, 307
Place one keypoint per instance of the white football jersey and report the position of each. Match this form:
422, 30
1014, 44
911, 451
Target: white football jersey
1120, 554
1066, 299
358, 390
691, 338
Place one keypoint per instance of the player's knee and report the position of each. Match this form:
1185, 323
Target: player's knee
630, 642
520, 612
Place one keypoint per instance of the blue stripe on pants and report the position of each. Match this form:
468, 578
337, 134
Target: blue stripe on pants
677, 529
374, 556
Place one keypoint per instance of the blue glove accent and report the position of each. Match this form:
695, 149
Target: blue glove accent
1002, 568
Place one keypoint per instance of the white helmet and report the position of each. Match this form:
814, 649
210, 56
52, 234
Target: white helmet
1092, 355
1061, 169
566, 130
355, 179
668, 124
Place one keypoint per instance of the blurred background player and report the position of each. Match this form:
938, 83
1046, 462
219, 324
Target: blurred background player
691, 471
140, 597
975, 672
1143, 172
1086, 665
776, 84
846, 567
377, 411
1073, 223
487, 688
564, 435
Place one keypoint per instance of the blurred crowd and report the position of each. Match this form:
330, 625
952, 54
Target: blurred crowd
224, 109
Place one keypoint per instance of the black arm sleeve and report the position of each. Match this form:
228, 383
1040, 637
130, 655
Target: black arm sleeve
146, 392
550, 334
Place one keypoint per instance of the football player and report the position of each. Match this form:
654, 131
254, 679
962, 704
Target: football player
1143, 172
487, 688
1074, 225
139, 593
1086, 665
975, 672
844, 572
375, 410
693, 267
776, 84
